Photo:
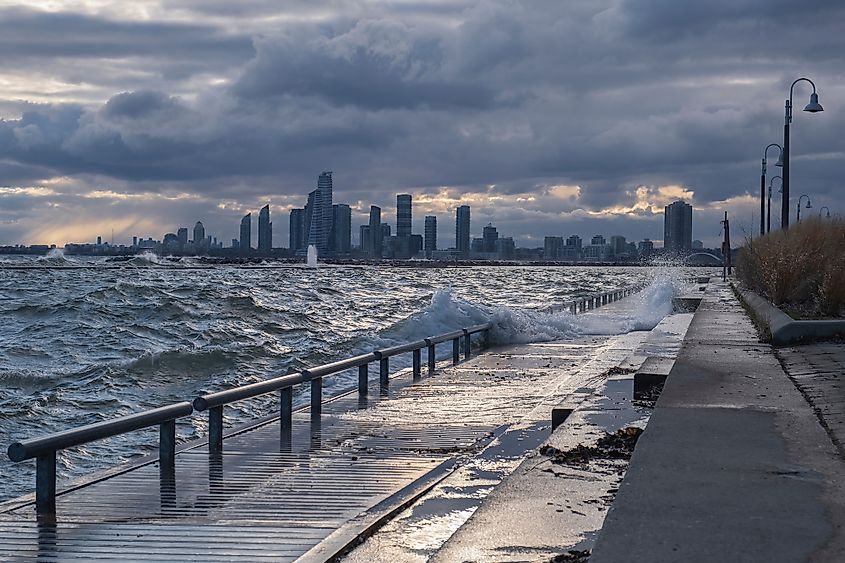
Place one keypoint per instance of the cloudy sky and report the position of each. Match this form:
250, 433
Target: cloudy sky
548, 117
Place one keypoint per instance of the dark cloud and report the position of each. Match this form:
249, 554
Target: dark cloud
500, 100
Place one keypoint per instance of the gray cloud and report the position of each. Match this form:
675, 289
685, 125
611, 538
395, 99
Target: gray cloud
396, 96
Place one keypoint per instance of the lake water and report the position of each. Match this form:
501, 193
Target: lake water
84, 344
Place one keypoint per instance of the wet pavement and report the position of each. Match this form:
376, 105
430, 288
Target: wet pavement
818, 370
507, 502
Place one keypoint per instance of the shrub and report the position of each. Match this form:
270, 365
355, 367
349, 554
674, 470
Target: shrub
802, 267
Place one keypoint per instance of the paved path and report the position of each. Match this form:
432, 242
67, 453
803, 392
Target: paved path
819, 372
734, 465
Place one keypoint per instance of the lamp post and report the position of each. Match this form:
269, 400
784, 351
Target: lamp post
809, 206
813, 107
769, 208
763, 183
828, 211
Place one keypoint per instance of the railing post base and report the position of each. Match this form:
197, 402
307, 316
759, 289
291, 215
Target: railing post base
384, 372
167, 446
456, 351
45, 485
432, 359
467, 344
417, 360
316, 397
363, 376
215, 429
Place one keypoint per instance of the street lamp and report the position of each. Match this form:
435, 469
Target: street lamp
769, 209
813, 107
763, 182
809, 206
828, 211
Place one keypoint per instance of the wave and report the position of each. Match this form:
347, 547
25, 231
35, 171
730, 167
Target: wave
56, 257
147, 259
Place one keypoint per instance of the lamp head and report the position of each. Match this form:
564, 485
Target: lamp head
809, 205
814, 106
780, 159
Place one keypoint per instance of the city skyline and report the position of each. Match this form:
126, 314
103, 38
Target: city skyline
182, 113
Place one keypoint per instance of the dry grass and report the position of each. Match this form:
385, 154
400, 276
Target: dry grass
801, 268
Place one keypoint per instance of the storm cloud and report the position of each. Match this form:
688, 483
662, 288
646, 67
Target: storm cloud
547, 117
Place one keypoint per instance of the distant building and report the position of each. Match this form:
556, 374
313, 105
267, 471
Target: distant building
376, 233
677, 228
341, 228
297, 229
246, 234
552, 248
430, 234
403, 215
572, 249
181, 234
596, 252
462, 230
645, 248
199, 233
489, 237
697, 245
618, 246
505, 248
364, 239
319, 214
598, 239
265, 231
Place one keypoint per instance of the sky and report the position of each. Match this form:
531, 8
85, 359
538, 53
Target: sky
547, 117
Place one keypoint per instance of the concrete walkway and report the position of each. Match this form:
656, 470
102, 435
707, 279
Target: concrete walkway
734, 465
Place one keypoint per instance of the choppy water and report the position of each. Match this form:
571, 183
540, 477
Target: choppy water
80, 345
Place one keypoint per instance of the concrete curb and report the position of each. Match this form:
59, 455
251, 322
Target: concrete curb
783, 328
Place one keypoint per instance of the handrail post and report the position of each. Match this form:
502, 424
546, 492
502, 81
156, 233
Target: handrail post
215, 429
45, 485
467, 344
363, 375
316, 397
167, 446
286, 410
384, 372
432, 358
456, 350
416, 363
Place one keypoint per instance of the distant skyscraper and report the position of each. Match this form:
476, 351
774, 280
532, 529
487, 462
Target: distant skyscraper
297, 229
462, 230
245, 243
182, 235
552, 248
489, 237
364, 238
430, 233
199, 233
677, 227
376, 235
598, 239
265, 230
320, 215
341, 228
618, 245
403, 215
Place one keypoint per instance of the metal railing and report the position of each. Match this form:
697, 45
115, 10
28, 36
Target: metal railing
215, 402
44, 449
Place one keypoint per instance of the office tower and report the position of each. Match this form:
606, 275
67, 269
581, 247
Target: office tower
364, 238
462, 230
618, 245
199, 233
552, 248
297, 229
99, 241
182, 235
341, 228
488, 238
376, 233
246, 234
677, 227
572, 249
403, 215
319, 214
265, 230
430, 233
505, 248
646, 248
598, 239
135, 239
